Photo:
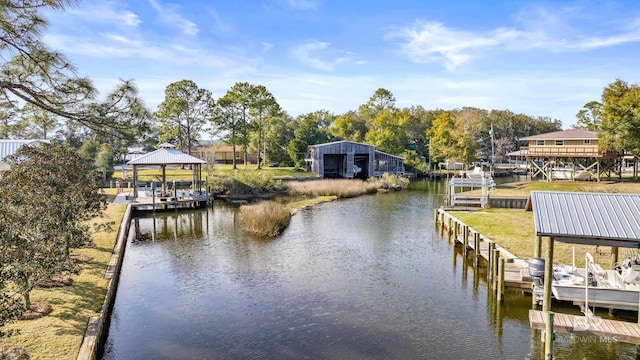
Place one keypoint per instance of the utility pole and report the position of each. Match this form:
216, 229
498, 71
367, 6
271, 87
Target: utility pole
493, 155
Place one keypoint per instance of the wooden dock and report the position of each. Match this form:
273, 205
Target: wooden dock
504, 270
515, 272
604, 329
164, 203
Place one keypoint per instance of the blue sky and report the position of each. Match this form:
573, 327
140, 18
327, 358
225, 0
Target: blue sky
533, 57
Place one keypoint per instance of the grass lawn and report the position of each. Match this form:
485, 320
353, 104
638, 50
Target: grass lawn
514, 230
522, 189
59, 335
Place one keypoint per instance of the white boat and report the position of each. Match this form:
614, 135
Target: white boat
478, 173
593, 286
564, 173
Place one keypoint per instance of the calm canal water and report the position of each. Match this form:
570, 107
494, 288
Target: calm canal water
365, 278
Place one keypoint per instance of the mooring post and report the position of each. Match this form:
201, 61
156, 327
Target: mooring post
492, 247
496, 260
465, 242
435, 216
449, 221
476, 245
548, 341
500, 279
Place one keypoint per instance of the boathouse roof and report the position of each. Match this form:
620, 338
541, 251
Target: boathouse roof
166, 154
571, 134
587, 218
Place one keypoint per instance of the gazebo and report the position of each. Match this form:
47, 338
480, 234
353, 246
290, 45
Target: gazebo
167, 155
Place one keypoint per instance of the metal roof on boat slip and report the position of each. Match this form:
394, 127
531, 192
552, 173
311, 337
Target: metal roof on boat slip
164, 156
588, 218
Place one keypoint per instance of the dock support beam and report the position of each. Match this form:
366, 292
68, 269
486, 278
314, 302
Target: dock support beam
546, 303
494, 271
476, 246
465, 242
500, 280
548, 341
548, 277
537, 248
492, 247
614, 256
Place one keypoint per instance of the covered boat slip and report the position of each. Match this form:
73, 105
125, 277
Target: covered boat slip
167, 193
602, 219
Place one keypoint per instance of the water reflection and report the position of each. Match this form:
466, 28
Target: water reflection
363, 278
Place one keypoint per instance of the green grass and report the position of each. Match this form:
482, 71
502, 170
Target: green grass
513, 229
59, 335
522, 189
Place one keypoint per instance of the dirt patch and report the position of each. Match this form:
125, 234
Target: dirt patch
56, 281
10, 352
37, 311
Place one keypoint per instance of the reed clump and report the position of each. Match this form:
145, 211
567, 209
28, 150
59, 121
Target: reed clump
390, 182
341, 188
266, 218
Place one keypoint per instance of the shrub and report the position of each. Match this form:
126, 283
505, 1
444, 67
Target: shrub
244, 183
267, 218
390, 182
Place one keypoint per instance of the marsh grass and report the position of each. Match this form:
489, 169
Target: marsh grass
59, 334
340, 188
265, 219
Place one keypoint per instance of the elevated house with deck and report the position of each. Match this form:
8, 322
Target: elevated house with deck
568, 155
347, 159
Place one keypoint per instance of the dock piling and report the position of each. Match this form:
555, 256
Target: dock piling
548, 338
500, 286
476, 247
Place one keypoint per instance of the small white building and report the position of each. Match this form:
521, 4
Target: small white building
9, 147
134, 152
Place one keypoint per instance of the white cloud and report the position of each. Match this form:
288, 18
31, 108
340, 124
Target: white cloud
170, 15
220, 24
266, 46
434, 42
303, 4
431, 41
309, 53
105, 12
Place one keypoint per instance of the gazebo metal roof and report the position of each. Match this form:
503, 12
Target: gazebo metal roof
166, 155
588, 218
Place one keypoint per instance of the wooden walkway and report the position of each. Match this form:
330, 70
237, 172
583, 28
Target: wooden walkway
162, 203
606, 330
